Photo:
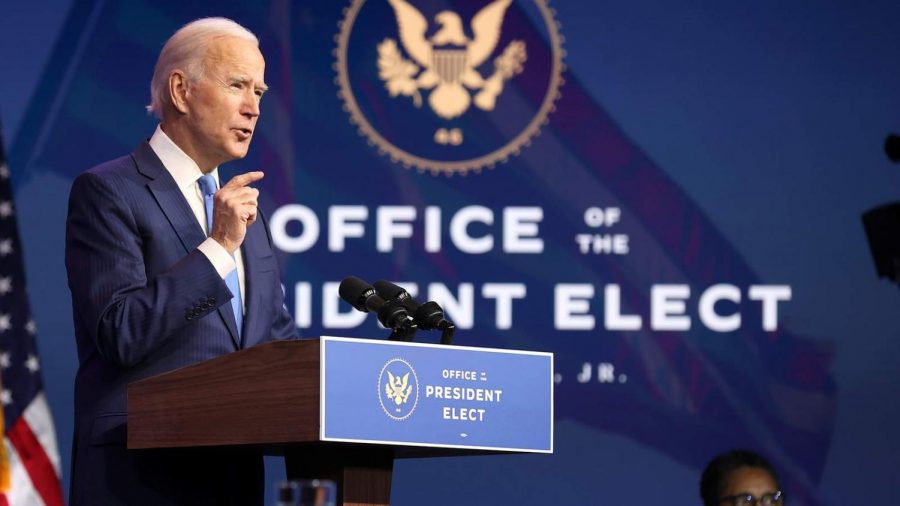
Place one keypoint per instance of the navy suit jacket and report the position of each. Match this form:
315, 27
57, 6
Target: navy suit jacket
146, 301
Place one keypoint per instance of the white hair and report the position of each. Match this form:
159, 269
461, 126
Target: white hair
186, 51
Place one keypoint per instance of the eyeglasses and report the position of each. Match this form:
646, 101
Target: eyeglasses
769, 499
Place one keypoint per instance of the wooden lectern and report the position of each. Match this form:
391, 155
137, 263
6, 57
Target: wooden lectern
321, 404
266, 397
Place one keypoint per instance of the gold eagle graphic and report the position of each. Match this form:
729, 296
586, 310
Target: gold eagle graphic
398, 389
449, 59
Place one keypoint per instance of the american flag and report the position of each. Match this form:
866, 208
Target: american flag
29, 461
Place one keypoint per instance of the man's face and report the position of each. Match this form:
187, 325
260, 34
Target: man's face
224, 102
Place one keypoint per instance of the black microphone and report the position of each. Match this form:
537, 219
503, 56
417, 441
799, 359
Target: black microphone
390, 291
428, 316
362, 297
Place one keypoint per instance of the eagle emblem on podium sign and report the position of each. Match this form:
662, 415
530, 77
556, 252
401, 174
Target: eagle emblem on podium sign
446, 62
398, 389
449, 86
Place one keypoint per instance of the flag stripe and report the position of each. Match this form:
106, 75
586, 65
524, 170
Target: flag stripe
22, 492
39, 467
37, 416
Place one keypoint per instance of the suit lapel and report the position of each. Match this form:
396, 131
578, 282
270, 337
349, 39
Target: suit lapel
179, 214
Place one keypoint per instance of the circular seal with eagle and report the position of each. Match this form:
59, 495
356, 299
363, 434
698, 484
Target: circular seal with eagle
398, 389
463, 91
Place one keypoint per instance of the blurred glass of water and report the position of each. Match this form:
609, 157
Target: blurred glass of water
307, 493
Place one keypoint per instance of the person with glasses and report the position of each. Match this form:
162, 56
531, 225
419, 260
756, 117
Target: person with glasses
740, 478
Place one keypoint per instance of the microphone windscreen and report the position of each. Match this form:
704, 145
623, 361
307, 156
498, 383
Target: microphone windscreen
387, 290
354, 291
390, 291
428, 315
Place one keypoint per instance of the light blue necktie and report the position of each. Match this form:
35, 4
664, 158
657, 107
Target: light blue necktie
208, 189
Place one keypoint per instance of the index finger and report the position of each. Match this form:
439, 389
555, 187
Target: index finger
244, 179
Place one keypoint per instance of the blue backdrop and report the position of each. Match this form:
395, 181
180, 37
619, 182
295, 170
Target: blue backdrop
722, 153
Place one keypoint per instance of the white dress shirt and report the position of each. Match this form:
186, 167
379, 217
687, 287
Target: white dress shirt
186, 173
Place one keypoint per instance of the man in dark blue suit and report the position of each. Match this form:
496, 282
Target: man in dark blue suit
154, 287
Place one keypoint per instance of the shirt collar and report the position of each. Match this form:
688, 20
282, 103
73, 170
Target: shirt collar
182, 167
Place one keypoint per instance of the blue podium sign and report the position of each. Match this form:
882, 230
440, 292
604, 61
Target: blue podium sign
413, 394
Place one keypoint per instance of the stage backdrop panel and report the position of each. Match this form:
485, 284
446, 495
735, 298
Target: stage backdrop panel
665, 197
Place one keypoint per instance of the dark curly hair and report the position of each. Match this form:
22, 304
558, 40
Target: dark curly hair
717, 471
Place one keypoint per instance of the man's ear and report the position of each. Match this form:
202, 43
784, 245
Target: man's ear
179, 89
